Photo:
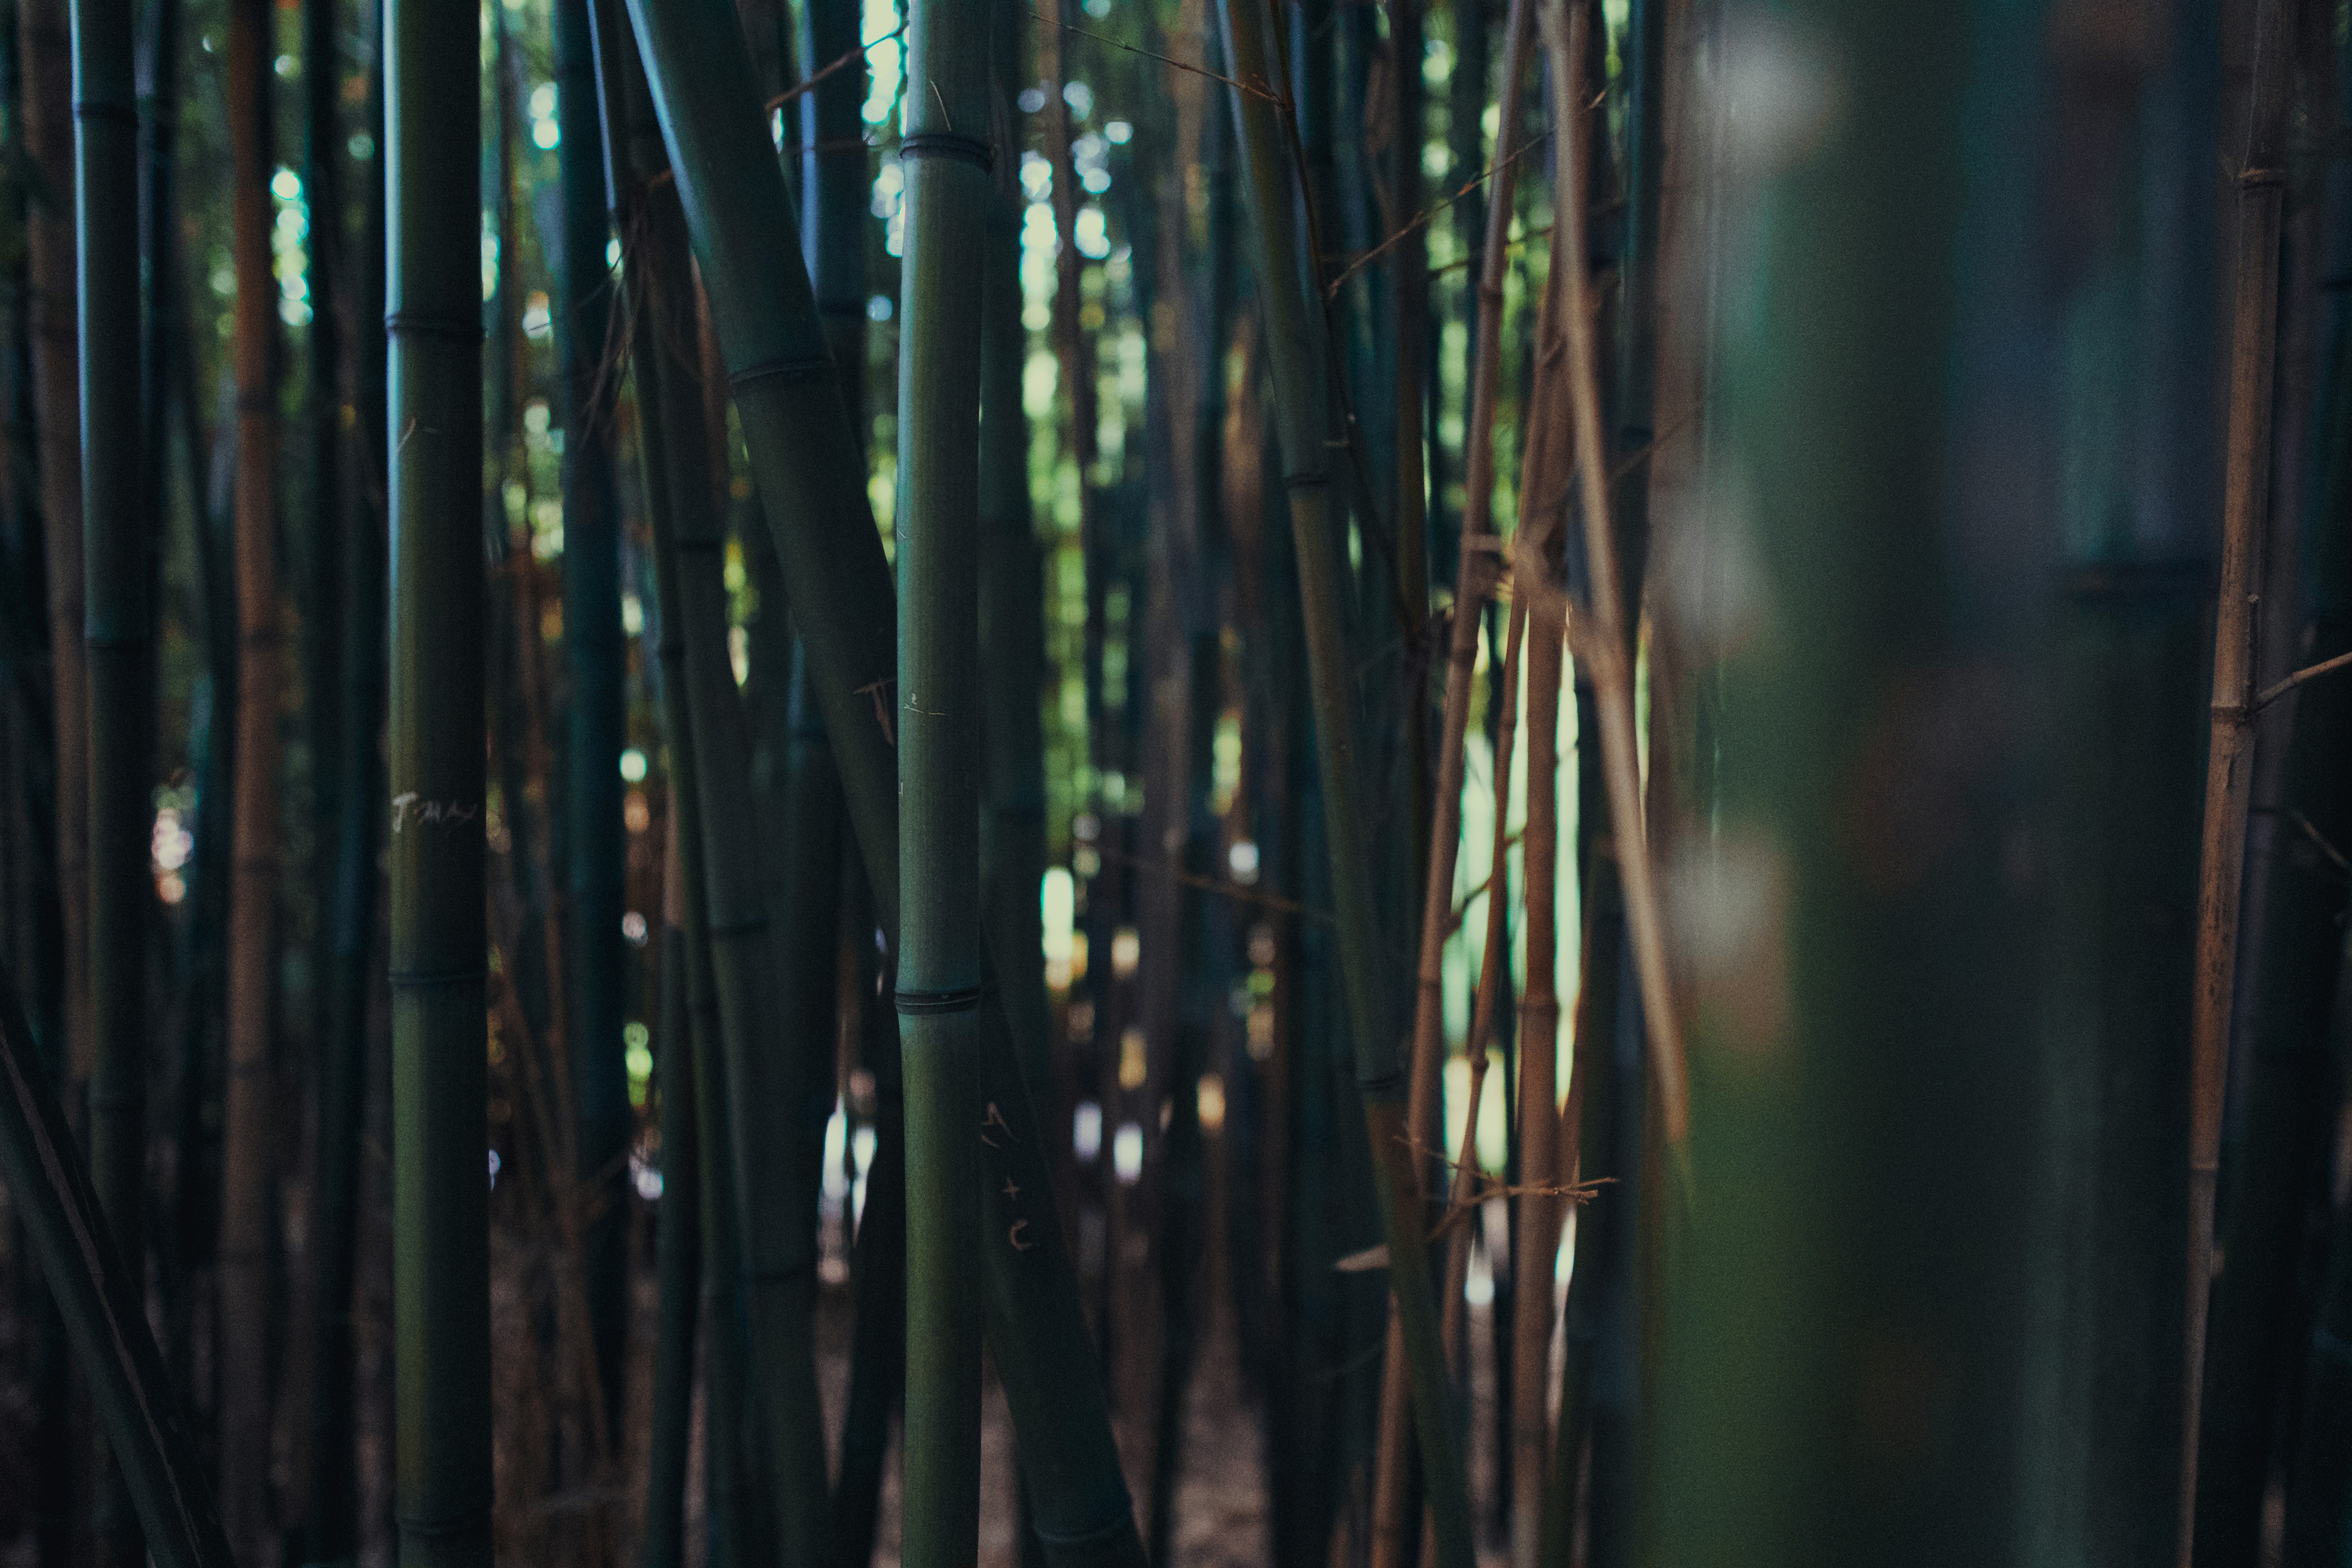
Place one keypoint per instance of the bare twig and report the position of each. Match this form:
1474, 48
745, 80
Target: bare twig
848, 58
1431, 215
1256, 90
2278, 689
1233, 891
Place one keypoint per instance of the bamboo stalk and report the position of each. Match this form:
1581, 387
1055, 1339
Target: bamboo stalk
104, 1315
1292, 339
679, 1236
117, 658
1012, 605
331, 1534
596, 731
803, 462
1473, 576
672, 473
1608, 650
947, 149
440, 1199
45, 66
248, 1114
2228, 777
773, 1165
116, 616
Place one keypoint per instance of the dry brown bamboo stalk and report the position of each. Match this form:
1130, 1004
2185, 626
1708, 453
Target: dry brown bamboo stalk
1604, 642
249, 1131
1392, 1504
2229, 774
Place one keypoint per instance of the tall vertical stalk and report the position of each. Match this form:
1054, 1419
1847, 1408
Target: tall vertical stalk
679, 1239
46, 63
804, 462
947, 151
2229, 769
773, 1168
332, 1533
1474, 577
328, 524
248, 1136
1293, 339
118, 636
439, 941
592, 632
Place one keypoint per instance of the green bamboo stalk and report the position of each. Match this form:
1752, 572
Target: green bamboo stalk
117, 632
439, 935
329, 504
1293, 332
2228, 776
946, 149
104, 1315
1478, 561
248, 1134
740, 1537
774, 1166
1012, 608
332, 1532
837, 186
803, 461
595, 840
678, 1237
878, 1269
47, 64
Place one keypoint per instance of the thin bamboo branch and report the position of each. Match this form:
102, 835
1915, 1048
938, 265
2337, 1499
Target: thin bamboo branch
1473, 578
2228, 777
1608, 651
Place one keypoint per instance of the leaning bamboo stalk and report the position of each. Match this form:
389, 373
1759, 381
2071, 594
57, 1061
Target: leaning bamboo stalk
1293, 339
804, 461
1474, 575
767, 1134
248, 1137
947, 151
438, 937
1605, 644
670, 476
104, 1314
2261, 181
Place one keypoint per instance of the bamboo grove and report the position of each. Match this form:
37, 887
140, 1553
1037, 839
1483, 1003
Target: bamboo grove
1399, 783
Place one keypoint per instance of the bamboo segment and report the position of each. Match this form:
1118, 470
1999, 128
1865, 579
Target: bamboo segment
248, 1136
1474, 575
679, 1236
45, 94
103, 1313
331, 1534
2229, 763
1294, 351
803, 463
947, 151
440, 940
591, 634
673, 474
116, 616
1609, 647
119, 656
